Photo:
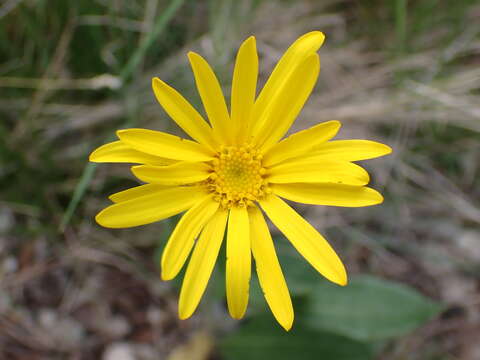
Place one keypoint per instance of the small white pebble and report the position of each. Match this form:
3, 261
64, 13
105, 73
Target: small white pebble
10, 265
119, 351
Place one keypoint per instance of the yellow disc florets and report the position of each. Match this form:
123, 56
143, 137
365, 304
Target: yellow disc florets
238, 176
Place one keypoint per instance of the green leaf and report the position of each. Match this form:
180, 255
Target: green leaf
301, 277
369, 308
262, 339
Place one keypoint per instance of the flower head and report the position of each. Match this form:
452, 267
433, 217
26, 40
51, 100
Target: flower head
237, 168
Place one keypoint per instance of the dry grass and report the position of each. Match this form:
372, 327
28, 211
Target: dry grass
69, 295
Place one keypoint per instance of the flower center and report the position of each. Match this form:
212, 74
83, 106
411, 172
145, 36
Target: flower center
237, 178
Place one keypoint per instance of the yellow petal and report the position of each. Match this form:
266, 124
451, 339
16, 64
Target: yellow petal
164, 145
268, 269
286, 103
149, 208
351, 150
183, 237
176, 174
308, 242
212, 97
321, 171
183, 113
136, 192
303, 47
238, 262
117, 151
244, 85
301, 142
329, 194
201, 264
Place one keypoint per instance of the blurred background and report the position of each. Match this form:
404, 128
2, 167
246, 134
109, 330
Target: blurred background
405, 73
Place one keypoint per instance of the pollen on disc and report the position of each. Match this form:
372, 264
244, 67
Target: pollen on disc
238, 176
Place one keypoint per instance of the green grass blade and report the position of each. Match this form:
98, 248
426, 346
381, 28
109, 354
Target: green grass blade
128, 70
78, 193
160, 25
401, 25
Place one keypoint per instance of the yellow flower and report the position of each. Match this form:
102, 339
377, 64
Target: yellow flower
235, 166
